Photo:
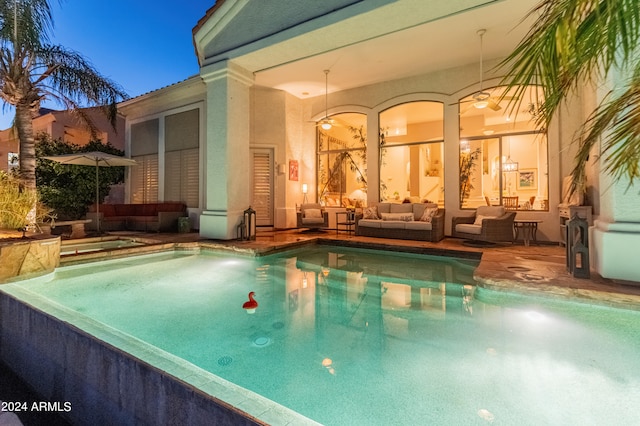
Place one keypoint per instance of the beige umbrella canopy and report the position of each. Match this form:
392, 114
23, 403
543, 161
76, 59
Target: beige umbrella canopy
96, 159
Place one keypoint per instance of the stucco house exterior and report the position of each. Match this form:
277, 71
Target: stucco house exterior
403, 85
65, 126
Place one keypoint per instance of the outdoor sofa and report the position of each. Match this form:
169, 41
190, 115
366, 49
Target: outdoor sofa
150, 217
408, 221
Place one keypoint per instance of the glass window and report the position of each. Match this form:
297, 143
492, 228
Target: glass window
144, 149
412, 153
503, 156
342, 161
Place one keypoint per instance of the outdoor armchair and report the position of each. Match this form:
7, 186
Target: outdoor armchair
312, 216
489, 223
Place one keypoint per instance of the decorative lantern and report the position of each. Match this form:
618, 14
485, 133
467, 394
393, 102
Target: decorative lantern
249, 220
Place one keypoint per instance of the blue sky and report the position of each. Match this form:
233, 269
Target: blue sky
142, 45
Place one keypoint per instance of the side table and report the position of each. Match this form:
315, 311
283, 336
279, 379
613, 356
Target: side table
529, 229
347, 223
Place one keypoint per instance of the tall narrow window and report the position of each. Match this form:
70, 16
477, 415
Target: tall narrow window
412, 153
182, 171
342, 161
503, 156
144, 149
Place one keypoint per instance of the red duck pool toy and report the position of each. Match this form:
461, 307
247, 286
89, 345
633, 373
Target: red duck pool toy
251, 305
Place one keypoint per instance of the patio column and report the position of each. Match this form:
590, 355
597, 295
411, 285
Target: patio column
226, 152
616, 231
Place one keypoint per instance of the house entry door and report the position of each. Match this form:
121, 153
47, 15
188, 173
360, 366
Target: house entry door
262, 172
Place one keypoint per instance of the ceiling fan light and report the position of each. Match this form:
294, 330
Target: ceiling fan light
480, 104
326, 125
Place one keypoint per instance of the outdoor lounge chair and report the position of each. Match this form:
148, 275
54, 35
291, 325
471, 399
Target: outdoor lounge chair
490, 223
312, 216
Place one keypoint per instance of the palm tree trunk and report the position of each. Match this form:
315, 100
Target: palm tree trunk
24, 125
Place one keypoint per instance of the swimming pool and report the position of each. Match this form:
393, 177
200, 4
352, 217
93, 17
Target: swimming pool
347, 336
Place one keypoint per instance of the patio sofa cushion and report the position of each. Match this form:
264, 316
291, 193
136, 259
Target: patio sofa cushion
371, 223
393, 224
468, 228
404, 217
419, 225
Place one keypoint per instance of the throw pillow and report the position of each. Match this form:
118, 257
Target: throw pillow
404, 217
428, 214
370, 213
480, 218
312, 213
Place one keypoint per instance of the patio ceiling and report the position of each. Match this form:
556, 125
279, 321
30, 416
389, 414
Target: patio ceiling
437, 43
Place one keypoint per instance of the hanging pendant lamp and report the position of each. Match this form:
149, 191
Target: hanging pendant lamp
481, 98
326, 123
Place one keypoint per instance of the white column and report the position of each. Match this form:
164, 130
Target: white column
226, 150
615, 236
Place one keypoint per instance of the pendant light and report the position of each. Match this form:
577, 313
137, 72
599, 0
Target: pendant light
481, 98
326, 122
509, 165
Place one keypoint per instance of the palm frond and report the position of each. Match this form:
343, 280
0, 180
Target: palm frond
616, 123
573, 43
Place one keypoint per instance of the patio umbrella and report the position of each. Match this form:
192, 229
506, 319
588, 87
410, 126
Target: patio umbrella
96, 159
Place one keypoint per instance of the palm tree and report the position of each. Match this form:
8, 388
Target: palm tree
32, 70
576, 42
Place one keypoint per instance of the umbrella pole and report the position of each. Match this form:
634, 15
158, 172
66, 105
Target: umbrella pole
97, 200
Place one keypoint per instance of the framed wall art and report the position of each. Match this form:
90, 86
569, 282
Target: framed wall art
527, 179
293, 170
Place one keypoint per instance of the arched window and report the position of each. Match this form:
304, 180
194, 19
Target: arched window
503, 155
412, 152
342, 161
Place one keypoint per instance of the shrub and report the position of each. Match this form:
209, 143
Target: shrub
71, 189
16, 203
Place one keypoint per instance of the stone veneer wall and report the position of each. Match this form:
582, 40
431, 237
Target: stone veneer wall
28, 257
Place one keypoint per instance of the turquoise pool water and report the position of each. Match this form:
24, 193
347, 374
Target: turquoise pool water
347, 336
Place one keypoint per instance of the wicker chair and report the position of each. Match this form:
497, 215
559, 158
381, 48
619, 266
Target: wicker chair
496, 225
312, 216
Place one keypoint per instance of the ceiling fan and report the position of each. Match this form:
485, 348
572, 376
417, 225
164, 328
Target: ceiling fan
482, 99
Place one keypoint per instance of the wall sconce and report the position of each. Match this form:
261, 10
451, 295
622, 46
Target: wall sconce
305, 189
305, 282
282, 169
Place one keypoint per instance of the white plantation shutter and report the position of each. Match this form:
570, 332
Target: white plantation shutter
182, 171
262, 186
182, 177
144, 179
191, 177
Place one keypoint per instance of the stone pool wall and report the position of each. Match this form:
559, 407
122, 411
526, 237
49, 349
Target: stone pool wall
102, 384
29, 257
